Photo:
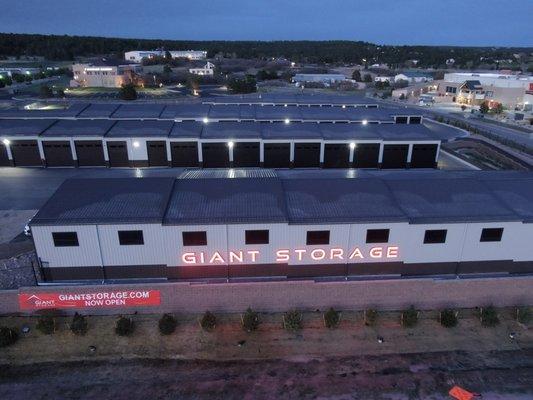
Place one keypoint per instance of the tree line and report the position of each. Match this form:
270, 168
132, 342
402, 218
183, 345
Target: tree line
55, 47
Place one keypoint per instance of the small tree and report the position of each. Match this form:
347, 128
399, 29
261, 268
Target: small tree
124, 326
8, 336
250, 320
498, 108
292, 321
356, 75
463, 107
332, 318
46, 324
167, 324
370, 317
523, 315
60, 93
409, 317
367, 78
208, 321
128, 92
484, 108
448, 318
489, 316
79, 325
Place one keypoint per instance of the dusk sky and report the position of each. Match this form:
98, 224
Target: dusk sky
448, 22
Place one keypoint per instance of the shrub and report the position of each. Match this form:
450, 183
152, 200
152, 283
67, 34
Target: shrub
448, 318
208, 321
128, 92
46, 324
78, 326
124, 326
8, 336
250, 320
167, 324
332, 318
523, 315
292, 321
370, 317
409, 317
489, 316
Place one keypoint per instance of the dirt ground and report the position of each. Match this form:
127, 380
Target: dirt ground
345, 363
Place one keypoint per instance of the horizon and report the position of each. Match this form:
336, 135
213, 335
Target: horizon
383, 22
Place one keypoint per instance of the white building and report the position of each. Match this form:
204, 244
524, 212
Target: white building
138, 55
326, 79
207, 70
492, 79
105, 73
287, 225
413, 77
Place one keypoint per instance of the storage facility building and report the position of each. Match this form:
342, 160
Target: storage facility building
287, 224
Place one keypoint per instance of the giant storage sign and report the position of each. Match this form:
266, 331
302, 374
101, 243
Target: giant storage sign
96, 299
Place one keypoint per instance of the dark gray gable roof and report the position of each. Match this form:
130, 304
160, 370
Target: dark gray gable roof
99, 110
215, 201
185, 111
187, 129
340, 200
231, 130
135, 128
106, 201
78, 127
281, 130
24, 127
144, 110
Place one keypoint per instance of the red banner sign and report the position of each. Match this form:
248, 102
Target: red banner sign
98, 299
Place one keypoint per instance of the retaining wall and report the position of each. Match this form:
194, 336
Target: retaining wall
306, 295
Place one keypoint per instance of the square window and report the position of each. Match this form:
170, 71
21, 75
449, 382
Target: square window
65, 239
256, 237
491, 235
195, 238
377, 236
127, 238
317, 237
435, 236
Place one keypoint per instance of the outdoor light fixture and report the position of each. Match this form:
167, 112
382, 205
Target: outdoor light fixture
352, 145
343, 106
365, 122
230, 145
285, 105
206, 120
6, 142
136, 144
287, 120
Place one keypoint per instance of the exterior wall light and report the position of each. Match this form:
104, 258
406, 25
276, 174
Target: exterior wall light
205, 120
136, 144
352, 145
365, 122
287, 121
6, 142
230, 145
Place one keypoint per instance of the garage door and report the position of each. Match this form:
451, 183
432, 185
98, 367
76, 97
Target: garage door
118, 154
26, 153
157, 153
277, 155
184, 154
306, 155
395, 156
58, 154
215, 155
424, 156
366, 155
4, 159
90, 153
246, 154
336, 155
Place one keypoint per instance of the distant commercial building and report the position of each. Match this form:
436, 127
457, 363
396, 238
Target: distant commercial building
10, 71
492, 79
413, 77
326, 79
138, 55
105, 73
207, 70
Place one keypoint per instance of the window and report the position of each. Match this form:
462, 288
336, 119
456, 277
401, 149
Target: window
401, 120
256, 237
377, 236
194, 238
65, 239
435, 236
491, 235
127, 238
317, 237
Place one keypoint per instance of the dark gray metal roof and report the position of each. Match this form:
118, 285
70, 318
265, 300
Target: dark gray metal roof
147, 128
106, 201
215, 201
281, 130
187, 129
309, 197
99, 110
231, 130
24, 127
185, 111
70, 111
145, 110
76, 128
